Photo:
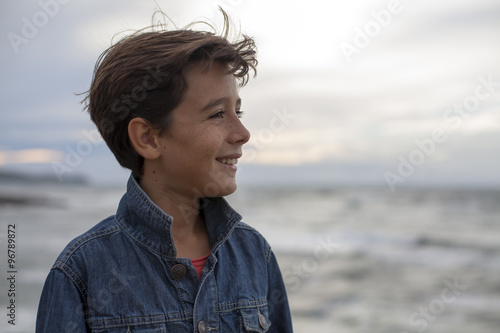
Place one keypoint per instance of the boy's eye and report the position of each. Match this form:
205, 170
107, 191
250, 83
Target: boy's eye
218, 114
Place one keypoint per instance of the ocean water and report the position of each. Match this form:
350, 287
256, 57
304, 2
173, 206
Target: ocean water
354, 259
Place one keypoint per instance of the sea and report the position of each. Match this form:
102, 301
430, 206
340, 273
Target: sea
353, 258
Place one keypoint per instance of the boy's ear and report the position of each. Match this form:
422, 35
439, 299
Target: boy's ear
144, 138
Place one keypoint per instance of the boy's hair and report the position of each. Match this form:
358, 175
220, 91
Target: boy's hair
143, 75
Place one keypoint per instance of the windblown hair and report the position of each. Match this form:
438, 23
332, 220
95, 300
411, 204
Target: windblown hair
143, 75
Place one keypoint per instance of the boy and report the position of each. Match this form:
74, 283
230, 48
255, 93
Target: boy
175, 257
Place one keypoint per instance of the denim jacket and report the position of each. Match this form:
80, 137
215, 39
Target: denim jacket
123, 276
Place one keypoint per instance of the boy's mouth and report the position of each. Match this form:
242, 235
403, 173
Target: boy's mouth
230, 161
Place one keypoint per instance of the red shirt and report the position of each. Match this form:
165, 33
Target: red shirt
199, 264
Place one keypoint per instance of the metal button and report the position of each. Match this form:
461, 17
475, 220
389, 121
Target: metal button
178, 272
202, 327
262, 321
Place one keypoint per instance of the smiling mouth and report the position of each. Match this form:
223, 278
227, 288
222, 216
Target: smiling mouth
228, 161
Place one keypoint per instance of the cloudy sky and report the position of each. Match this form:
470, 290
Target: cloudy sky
381, 92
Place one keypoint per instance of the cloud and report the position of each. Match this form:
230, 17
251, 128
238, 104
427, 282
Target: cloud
30, 156
395, 91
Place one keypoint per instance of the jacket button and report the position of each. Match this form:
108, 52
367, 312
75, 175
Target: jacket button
262, 321
178, 272
202, 327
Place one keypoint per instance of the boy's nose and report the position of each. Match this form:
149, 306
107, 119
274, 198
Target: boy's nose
239, 133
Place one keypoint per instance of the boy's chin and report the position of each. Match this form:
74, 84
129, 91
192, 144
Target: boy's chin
230, 191
220, 190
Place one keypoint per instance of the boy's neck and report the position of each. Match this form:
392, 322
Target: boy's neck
189, 231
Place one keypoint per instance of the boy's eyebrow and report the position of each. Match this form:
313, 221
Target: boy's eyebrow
219, 101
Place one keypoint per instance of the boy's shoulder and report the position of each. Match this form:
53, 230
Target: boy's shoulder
249, 231
102, 229
247, 235
243, 225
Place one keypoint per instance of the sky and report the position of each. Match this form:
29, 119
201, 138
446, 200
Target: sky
392, 93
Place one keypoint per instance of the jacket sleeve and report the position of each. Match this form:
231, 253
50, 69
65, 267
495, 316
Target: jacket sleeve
61, 307
279, 311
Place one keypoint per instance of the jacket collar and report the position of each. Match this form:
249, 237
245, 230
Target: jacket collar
149, 225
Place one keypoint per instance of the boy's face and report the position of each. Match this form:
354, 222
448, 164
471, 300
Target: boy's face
205, 136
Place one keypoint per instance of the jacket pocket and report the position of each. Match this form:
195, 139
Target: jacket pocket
255, 319
138, 324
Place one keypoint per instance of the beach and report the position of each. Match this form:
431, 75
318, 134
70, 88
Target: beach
354, 259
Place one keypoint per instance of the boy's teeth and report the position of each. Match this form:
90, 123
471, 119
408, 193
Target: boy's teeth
228, 161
